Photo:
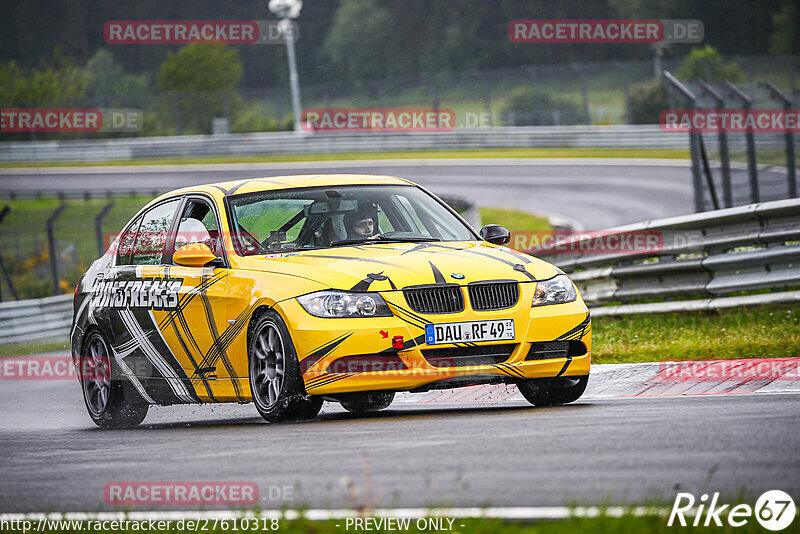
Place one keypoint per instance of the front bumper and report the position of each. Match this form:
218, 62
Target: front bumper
349, 355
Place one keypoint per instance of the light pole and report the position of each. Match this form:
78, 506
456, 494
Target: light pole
287, 10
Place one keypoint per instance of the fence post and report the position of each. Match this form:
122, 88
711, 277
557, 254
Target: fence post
584, 92
724, 155
749, 136
694, 144
434, 96
98, 227
487, 97
51, 245
625, 80
788, 136
5, 211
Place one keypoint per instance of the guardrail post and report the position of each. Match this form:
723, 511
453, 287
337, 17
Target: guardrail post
5, 211
788, 136
749, 136
694, 143
98, 227
51, 245
724, 155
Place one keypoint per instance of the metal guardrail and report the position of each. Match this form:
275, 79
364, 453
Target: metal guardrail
712, 255
35, 320
647, 136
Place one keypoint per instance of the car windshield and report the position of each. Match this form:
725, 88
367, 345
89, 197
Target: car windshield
322, 217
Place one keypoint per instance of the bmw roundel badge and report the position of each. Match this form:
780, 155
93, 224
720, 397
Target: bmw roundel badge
457, 276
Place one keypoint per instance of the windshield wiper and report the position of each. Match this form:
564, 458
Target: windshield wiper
382, 238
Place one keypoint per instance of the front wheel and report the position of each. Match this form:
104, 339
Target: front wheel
275, 381
553, 391
105, 400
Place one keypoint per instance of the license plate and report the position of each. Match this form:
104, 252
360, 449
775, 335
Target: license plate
469, 331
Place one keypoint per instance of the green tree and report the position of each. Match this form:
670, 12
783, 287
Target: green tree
702, 61
199, 84
648, 100
785, 38
361, 41
525, 106
58, 82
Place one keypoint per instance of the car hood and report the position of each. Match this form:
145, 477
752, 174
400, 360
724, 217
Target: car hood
388, 266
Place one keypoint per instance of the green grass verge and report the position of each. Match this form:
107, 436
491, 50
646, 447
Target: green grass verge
720, 335
627, 524
34, 349
516, 221
660, 153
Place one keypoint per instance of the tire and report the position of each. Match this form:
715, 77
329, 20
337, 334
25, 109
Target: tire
371, 401
275, 381
102, 391
553, 391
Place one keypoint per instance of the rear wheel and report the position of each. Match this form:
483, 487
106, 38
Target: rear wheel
275, 381
553, 391
103, 394
370, 401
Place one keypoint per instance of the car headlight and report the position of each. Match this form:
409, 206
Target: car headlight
557, 290
344, 304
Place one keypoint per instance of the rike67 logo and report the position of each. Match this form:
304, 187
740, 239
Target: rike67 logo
774, 510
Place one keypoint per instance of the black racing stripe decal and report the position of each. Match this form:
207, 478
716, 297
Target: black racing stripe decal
228, 336
504, 371
319, 353
437, 274
577, 332
212, 327
328, 380
365, 260
516, 266
523, 257
512, 369
188, 297
409, 313
417, 248
566, 364
364, 284
188, 353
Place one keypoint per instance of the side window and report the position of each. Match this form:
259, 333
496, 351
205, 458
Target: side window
198, 224
152, 234
125, 243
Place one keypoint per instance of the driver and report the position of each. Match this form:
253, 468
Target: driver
363, 223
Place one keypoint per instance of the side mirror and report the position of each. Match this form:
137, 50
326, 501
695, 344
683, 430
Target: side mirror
196, 255
496, 234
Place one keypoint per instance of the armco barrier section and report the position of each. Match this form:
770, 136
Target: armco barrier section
713, 255
646, 136
35, 320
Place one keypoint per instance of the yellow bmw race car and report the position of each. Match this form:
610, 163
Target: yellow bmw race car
293, 290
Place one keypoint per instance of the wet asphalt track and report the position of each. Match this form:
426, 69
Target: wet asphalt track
52, 458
